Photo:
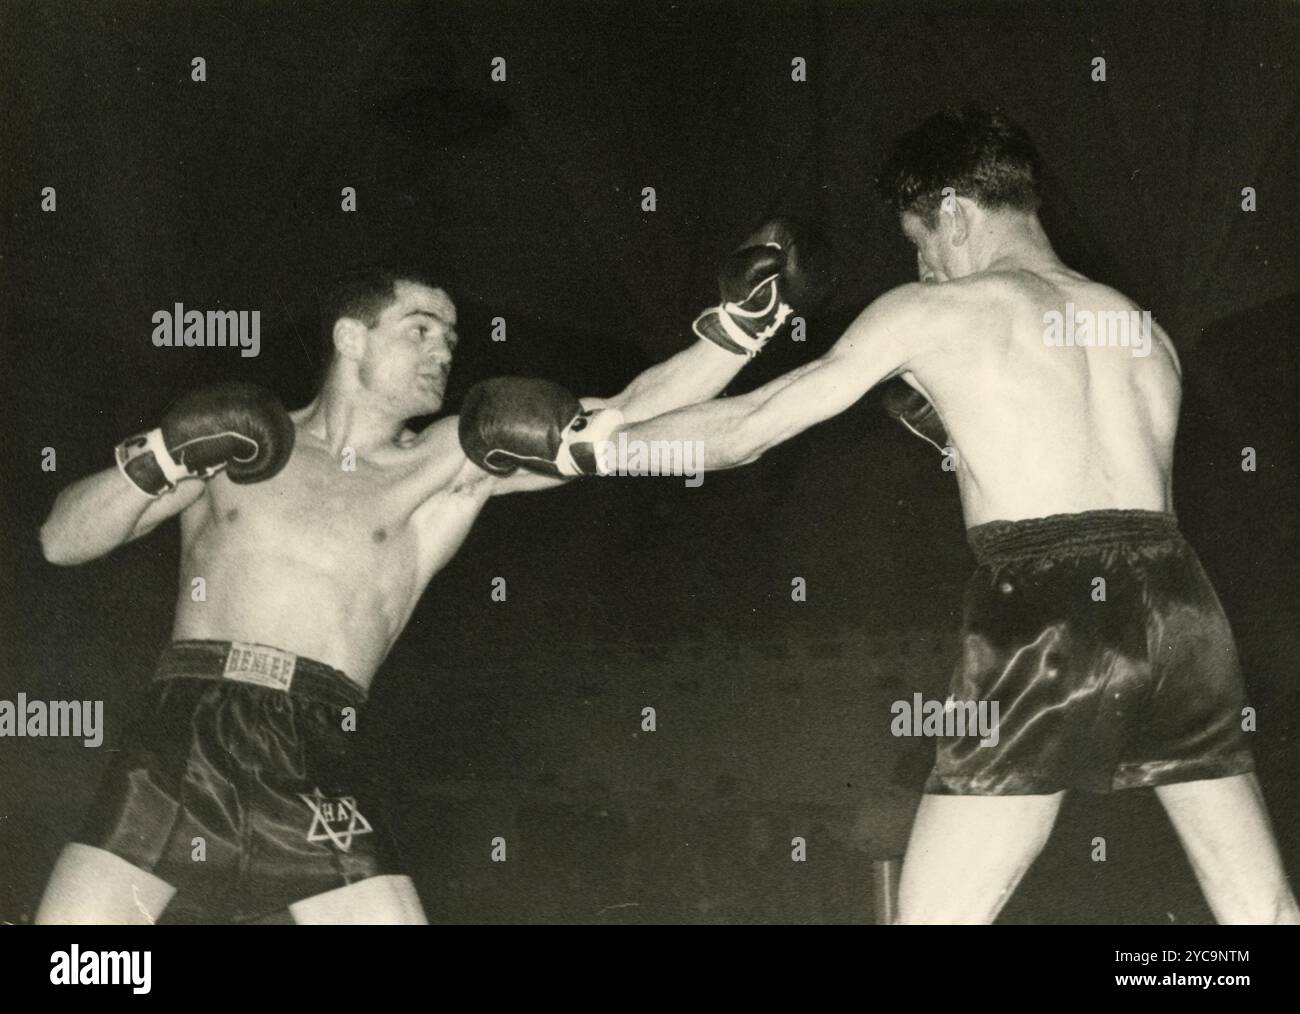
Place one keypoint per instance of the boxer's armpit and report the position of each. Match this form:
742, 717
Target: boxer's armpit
167, 506
524, 481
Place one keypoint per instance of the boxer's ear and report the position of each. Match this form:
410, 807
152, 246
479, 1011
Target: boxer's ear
958, 215
350, 338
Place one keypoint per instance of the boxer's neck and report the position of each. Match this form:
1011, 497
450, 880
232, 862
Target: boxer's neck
1014, 242
340, 418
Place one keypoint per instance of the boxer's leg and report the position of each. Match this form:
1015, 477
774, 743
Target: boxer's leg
1226, 833
1193, 742
92, 887
388, 899
1029, 653
967, 854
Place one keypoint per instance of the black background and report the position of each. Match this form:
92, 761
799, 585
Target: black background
518, 719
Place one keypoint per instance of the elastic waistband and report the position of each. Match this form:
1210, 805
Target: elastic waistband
259, 665
1062, 534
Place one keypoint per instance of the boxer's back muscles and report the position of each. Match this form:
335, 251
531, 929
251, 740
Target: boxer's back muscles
1038, 429
327, 561
1042, 429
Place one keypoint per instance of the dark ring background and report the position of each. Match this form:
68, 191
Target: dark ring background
521, 719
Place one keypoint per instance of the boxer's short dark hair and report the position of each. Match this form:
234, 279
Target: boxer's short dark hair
363, 294
982, 155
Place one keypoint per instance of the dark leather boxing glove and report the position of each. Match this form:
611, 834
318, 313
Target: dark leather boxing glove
240, 427
910, 407
512, 422
781, 268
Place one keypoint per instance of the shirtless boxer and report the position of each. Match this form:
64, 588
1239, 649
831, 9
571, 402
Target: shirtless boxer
1063, 459
315, 533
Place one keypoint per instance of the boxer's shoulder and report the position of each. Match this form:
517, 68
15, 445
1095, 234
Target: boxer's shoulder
943, 316
437, 440
1001, 309
959, 297
1032, 292
998, 291
442, 462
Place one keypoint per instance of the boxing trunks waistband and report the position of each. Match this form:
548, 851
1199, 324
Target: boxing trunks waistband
259, 665
999, 542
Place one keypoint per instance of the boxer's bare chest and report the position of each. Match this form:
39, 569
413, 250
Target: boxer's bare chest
386, 519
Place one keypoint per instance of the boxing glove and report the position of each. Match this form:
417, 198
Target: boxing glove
910, 407
237, 426
509, 422
781, 268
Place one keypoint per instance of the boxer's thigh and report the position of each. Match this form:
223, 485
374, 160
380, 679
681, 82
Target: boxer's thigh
315, 819
92, 887
164, 812
1225, 830
967, 854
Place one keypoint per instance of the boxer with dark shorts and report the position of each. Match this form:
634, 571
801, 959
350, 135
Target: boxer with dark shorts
317, 532
241, 755
1140, 687
1089, 622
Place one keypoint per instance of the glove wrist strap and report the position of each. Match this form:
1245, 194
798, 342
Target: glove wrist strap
916, 430
147, 464
583, 444
734, 337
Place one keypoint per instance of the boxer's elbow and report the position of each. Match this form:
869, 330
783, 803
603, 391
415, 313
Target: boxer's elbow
753, 455
63, 543
55, 547
745, 454
743, 446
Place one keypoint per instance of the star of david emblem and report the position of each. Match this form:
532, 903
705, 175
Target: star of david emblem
329, 813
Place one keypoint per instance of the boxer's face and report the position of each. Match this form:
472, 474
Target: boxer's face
407, 353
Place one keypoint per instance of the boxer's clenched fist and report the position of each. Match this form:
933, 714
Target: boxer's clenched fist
237, 426
780, 269
512, 422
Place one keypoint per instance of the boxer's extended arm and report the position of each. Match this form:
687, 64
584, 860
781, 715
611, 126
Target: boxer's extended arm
97, 514
780, 269
901, 325
693, 375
